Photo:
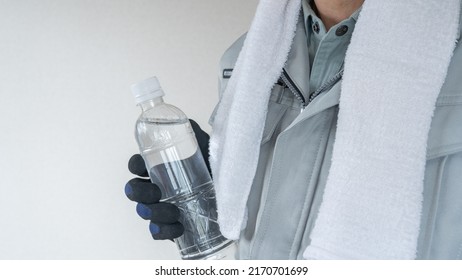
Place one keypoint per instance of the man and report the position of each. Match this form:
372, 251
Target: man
318, 179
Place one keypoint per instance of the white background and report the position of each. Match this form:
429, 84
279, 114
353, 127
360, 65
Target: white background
67, 115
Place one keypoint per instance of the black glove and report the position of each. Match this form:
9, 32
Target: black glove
203, 140
163, 216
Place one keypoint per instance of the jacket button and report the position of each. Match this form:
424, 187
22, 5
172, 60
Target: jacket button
342, 30
316, 27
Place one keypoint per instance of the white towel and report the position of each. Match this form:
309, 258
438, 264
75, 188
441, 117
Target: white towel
240, 117
395, 67
394, 70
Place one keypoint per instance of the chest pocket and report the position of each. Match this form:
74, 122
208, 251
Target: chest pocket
275, 112
283, 108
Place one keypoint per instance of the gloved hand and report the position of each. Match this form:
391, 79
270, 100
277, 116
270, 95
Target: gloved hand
203, 141
164, 216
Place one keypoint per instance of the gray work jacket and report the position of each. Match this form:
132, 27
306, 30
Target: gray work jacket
296, 155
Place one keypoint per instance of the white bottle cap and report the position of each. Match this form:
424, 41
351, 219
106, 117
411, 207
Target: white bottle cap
146, 90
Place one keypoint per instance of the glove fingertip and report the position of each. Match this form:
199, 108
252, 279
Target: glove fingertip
142, 190
128, 191
166, 231
137, 166
143, 211
154, 228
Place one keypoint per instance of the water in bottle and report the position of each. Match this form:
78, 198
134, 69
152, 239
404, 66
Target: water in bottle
175, 163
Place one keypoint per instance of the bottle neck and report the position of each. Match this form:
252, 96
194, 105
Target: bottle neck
151, 103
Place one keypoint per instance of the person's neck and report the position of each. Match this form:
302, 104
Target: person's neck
332, 12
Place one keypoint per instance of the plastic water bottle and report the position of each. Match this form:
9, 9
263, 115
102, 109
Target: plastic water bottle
175, 163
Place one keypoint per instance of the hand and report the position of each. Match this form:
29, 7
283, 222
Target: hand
163, 216
203, 141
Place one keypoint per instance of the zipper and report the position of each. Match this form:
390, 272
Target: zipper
289, 83
326, 86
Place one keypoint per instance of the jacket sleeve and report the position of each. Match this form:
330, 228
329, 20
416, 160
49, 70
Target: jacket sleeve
225, 69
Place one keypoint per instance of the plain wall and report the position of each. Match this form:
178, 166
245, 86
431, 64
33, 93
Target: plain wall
67, 115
